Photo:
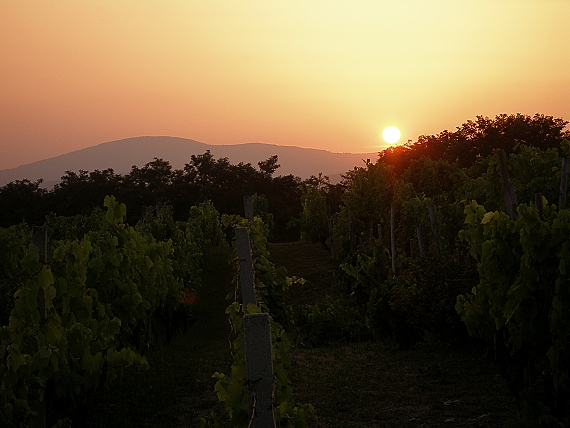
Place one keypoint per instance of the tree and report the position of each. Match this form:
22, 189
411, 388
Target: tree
475, 140
370, 191
314, 222
433, 177
80, 192
22, 200
269, 166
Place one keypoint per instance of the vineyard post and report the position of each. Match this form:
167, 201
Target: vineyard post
393, 236
563, 184
434, 233
351, 231
330, 226
259, 369
39, 238
509, 190
421, 233
257, 341
246, 273
248, 207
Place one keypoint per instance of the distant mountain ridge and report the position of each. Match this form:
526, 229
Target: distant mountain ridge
121, 155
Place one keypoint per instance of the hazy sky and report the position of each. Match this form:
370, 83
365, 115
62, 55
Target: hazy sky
322, 74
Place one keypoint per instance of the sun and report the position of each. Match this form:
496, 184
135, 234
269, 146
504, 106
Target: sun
391, 134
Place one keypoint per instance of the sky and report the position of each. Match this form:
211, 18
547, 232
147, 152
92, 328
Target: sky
321, 74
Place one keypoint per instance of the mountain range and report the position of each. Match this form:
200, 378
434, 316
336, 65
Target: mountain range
121, 155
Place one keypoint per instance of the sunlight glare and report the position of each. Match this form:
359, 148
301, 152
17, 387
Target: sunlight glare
391, 134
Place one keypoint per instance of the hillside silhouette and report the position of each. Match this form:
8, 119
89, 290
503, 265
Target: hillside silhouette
121, 155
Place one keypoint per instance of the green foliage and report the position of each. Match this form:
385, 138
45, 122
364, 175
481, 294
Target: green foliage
271, 282
103, 284
341, 233
420, 303
433, 178
531, 171
17, 265
261, 209
330, 322
314, 223
232, 390
364, 271
79, 344
369, 194
522, 297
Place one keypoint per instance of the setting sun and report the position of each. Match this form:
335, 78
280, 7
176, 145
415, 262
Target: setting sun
391, 134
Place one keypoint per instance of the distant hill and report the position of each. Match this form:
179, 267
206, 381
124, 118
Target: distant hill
121, 155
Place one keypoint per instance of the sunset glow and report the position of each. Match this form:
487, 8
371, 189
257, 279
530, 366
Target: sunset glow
317, 74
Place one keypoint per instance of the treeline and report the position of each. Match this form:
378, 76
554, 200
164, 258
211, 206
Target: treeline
476, 140
157, 184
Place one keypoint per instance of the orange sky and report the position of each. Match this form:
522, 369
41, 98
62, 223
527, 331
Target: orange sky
323, 74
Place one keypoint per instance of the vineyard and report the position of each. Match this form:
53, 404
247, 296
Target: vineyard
395, 263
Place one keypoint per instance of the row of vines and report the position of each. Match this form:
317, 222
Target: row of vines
466, 269
271, 285
84, 317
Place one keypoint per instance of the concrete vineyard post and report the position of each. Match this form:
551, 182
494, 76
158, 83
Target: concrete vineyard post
248, 207
246, 273
259, 369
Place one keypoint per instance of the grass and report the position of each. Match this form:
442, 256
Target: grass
366, 384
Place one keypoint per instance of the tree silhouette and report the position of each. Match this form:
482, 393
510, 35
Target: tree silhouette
475, 140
